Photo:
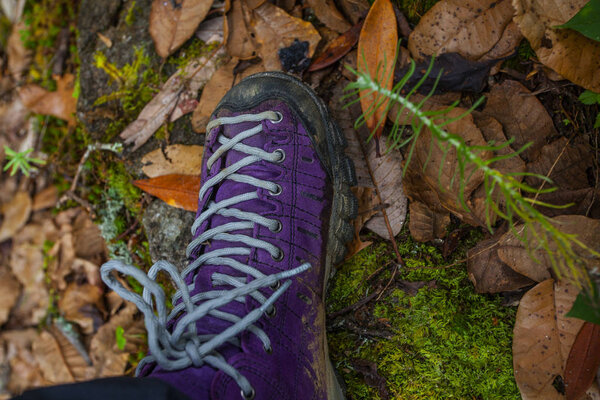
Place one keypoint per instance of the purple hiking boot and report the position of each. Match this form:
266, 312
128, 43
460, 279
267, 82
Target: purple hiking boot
273, 217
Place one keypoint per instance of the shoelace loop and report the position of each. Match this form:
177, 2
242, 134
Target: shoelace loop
183, 347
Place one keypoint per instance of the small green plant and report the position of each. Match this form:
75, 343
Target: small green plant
20, 161
537, 230
120, 338
590, 98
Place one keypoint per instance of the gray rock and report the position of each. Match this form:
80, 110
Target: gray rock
168, 231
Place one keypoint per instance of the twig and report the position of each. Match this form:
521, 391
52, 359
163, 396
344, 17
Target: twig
353, 306
70, 194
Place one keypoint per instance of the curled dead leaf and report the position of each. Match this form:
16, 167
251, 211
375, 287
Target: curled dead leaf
221, 81
15, 214
367, 207
425, 224
9, 293
430, 175
174, 159
387, 169
583, 361
59, 103
239, 43
274, 29
19, 57
172, 23
106, 356
338, 48
83, 305
522, 116
179, 88
23, 367
515, 254
487, 271
327, 13
566, 51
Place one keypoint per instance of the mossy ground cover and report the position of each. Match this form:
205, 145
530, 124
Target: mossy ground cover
446, 341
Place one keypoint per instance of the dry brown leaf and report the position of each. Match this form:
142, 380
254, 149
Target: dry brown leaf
15, 214
239, 43
377, 47
180, 89
488, 273
566, 51
212, 30
585, 202
367, 207
84, 305
513, 252
19, 57
354, 9
24, 371
107, 358
49, 358
59, 103
26, 263
275, 29
522, 115
337, 48
387, 169
45, 198
9, 292
425, 224
179, 191
171, 23
568, 162
510, 39
429, 182
88, 241
81, 368
492, 132
221, 81
174, 159
12, 118
327, 13
541, 336
470, 28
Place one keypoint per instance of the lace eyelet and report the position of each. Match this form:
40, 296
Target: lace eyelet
276, 285
279, 118
248, 396
279, 256
277, 191
281, 155
278, 228
271, 313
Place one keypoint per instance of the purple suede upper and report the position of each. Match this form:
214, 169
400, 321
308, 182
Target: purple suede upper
295, 369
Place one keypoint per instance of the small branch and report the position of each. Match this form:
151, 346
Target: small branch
70, 194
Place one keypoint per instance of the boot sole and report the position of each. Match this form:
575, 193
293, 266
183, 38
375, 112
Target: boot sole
329, 143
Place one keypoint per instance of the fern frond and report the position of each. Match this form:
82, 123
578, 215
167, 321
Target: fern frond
503, 191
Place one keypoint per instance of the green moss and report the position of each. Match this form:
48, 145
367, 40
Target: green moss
44, 20
446, 341
195, 49
131, 14
136, 83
